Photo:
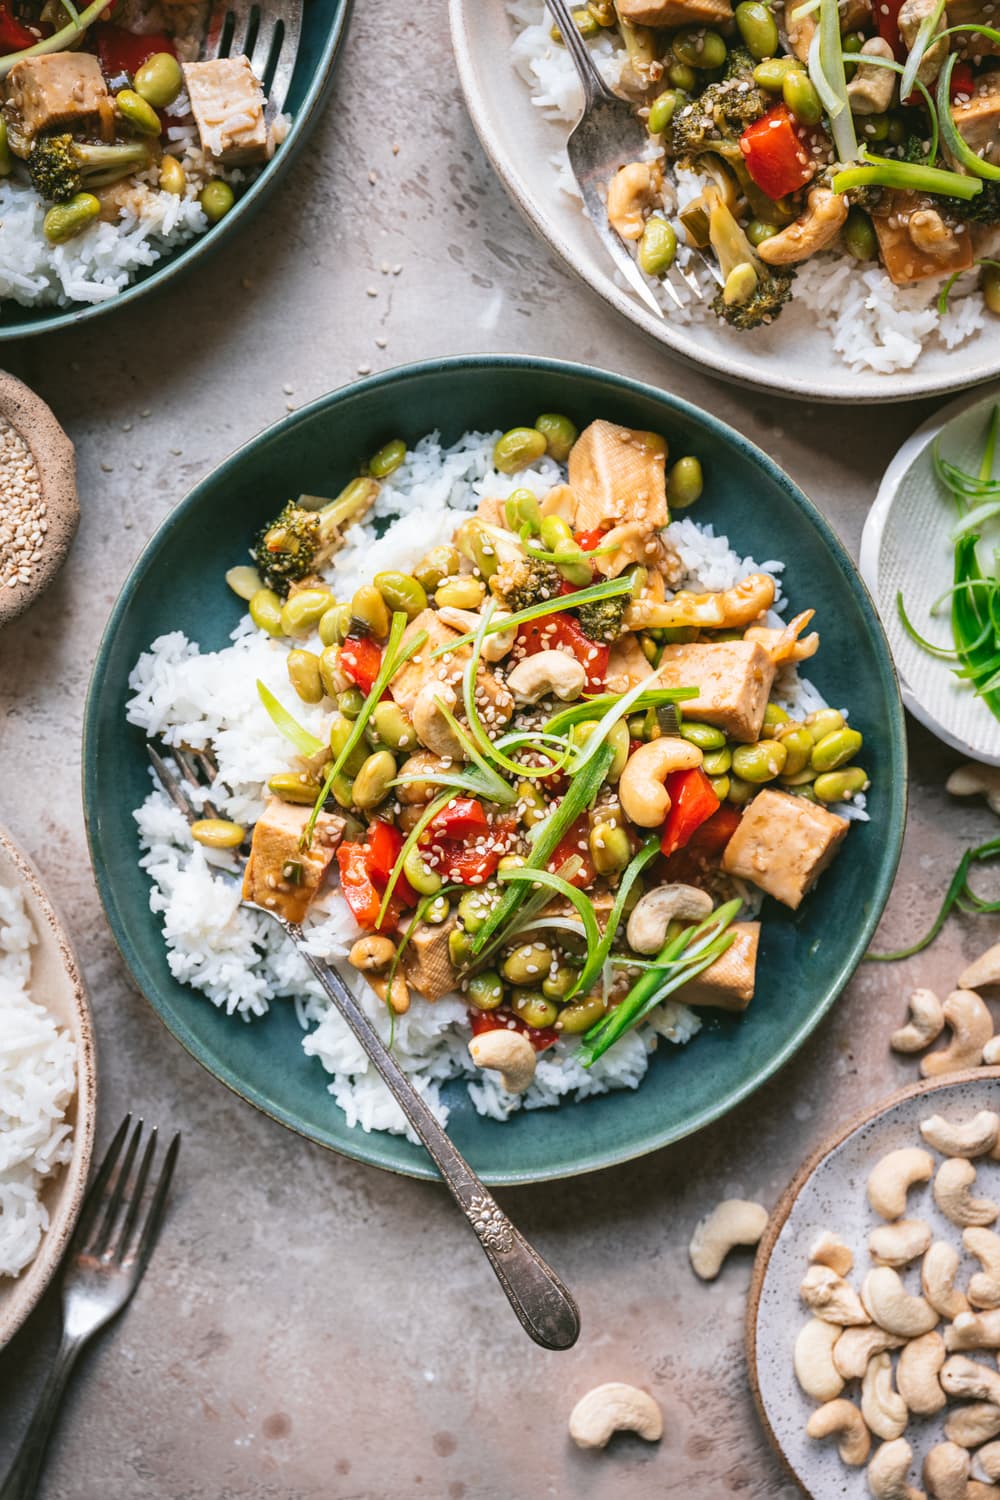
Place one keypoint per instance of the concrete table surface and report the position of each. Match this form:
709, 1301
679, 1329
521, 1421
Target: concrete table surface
311, 1329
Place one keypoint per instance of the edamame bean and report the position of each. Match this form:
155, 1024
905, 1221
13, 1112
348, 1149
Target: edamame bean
303, 610
897, 131
740, 791
369, 612
437, 911
610, 849
757, 27
340, 732
474, 541
579, 1015
531, 803
473, 909
720, 786
401, 592
528, 963
463, 592
650, 649
216, 199
217, 833
585, 22
758, 231
823, 722
511, 862
573, 563
989, 280
759, 763
533, 1008
874, 128
439, 564
798, 778
418, 872
388, 459
293, 786
6, 160
518, 449
265, 611
798, 747
342, 788
459, 947
801, 98
840, 786
371, 784
140, 115
555, 531
394, 726
662, 110
351, 702
173, 178
558, 982
159, 79
521, 508
332, 678
705, 736
244, 581
657, 246
770, 75
66, 220
697, 47
685, 482
717, 762
859, 235
559, 433
618, 739
835, 750
774, 714
304, 675
485, 990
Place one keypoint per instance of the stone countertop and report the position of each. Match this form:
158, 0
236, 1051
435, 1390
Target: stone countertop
311, 1329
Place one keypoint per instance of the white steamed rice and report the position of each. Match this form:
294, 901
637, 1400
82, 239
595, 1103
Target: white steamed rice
871, 324
239, 959
37, 1082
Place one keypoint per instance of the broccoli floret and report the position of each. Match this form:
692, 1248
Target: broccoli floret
299, 541
753, 293
716, 119
762, 306
524, 581
60, 166
984, 208
604, 619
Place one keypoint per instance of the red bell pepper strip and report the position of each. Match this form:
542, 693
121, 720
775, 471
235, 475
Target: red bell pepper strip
692, 803
120, 51
361, 659
13, 36
776, 155
358, 889
887, 21
466, 864
588, 540
716, 831
560, 632
963, 81
575, 841
505, 1020
463, 818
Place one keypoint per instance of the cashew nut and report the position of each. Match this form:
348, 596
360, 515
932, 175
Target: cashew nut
937, 1276
917, 1374
925, 1025
976, 1491
891, 1306
962, 1376
496, 645
398, 996
733, 1222
931, 235
831, 1297
883, 1408
971, 779
828, 1249
871, 89
510, 1053
612, 1408
984, 1288
856, 1346
814, 1367
991, 1052
547, 672
841, 1419
976, 1137
893, 1176
900, 1243
432, 728
816, 229
633, 189
983, 971
653, 913
972, 1027
974, 1331
888, 1472
971, 1425
953, 1194
986, 1463
372, 954
946, 1472
644, 796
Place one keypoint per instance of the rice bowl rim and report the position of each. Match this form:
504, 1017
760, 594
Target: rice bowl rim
48, 318
376, 1147
581, 252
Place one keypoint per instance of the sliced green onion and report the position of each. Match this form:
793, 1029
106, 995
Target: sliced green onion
546, 879
832, 69
975, 518
500, 791
908, 176
598, 955
824, 88
895, 67
304, 741
479, 735
955, 143
917, 638
959, 893
586, 708
622, 706
801, 11
609, 590
921, 42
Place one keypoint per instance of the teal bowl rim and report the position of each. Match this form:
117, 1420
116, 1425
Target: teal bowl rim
362, 1149
246, 205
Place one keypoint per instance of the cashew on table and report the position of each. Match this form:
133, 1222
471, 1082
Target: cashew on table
612, 1408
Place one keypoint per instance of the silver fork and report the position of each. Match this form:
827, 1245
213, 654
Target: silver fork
266, 34
544, 1307
107, 1257
606, 137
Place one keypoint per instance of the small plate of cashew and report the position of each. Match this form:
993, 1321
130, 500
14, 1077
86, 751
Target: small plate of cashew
873, 1324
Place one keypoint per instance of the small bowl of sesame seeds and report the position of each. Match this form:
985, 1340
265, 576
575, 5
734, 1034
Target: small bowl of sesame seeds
39, 508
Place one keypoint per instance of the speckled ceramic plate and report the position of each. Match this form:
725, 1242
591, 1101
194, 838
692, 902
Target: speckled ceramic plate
792, 358
55, 983
806, 957
323, 26
55, 461
829, 1194
905, 549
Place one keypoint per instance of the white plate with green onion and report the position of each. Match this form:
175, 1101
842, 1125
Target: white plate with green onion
930, 554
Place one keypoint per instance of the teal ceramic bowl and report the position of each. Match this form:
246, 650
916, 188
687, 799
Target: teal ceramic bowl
806, 957
323, 26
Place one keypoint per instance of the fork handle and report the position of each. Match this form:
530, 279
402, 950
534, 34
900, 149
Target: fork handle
594, 87
21, 1482
544, 1307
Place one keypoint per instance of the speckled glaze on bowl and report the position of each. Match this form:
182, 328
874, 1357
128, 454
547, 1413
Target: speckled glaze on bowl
788, 358
828, 1193
57, 984
806, 958
56, 460
323, 26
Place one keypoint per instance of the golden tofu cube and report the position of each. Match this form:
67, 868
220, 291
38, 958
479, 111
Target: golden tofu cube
280, 875
427, 961
227, 102
783, 845
616, 475
733, 679
728, 984
675, 12
60, 89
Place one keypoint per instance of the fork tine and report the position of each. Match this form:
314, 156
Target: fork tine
113, 1201
154, 1218
95, 1193
283, 65
135, 1197
215, 30
171, 785
190, 769
246, 24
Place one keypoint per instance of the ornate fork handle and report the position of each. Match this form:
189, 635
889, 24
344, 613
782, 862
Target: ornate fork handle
594, 87
543, 1305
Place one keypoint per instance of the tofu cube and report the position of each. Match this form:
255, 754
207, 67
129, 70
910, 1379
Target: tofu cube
733, 679
275, 851
228, 107
675, 12
618, 475
427, 961
728, 984
783, 845
63, 88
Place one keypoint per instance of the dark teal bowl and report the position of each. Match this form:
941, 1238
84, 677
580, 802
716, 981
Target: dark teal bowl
323, 24
806, 957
